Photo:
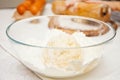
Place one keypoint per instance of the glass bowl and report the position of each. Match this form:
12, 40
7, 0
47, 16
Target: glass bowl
48, 50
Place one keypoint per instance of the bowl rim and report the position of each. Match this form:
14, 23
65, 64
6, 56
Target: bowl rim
87, 18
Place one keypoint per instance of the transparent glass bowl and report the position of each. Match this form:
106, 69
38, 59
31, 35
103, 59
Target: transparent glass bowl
29, 37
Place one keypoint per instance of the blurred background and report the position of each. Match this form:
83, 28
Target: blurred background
14, 3
11, 3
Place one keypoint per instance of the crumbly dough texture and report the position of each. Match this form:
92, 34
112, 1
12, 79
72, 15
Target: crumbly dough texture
63, 58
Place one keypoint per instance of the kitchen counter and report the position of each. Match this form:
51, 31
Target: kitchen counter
11, 69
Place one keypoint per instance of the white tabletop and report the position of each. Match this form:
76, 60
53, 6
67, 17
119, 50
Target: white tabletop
11, 69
